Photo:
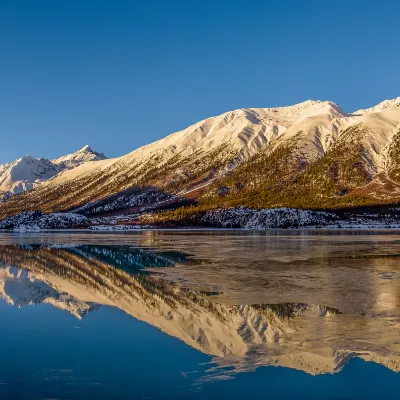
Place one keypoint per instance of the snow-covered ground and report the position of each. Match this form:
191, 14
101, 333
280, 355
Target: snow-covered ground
278, 218
37, 220
237, 218
114, 219
364, 223
289, 218
118, 227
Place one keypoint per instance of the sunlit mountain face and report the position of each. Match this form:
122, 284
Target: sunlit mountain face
306, 165
345, 295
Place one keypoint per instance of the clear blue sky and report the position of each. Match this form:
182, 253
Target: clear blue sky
119, 74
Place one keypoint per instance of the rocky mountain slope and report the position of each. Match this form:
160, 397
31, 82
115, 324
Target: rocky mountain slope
310, 155
27, 172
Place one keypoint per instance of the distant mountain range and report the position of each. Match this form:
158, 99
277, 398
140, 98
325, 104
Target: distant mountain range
27, 172
312, 155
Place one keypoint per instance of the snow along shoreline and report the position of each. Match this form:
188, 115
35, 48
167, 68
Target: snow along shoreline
221, 219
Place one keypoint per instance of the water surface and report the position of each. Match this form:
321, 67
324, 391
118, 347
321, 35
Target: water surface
200, 314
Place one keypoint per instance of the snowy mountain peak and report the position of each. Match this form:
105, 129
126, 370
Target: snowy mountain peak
86, 149
312, 108
28, 172
83, 155
384, 105
24, 159
25, 173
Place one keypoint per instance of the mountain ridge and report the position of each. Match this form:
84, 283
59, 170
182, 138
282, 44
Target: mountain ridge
27, 172
312, 151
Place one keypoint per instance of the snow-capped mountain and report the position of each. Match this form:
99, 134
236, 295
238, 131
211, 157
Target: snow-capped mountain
83, 155
386, 104
27, 172
243, 157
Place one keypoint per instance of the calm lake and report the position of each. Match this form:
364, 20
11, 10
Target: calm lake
200, 315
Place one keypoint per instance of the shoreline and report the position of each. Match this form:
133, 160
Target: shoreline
206, 229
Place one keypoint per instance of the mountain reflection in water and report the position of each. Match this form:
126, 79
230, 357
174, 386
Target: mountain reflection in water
313, 338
